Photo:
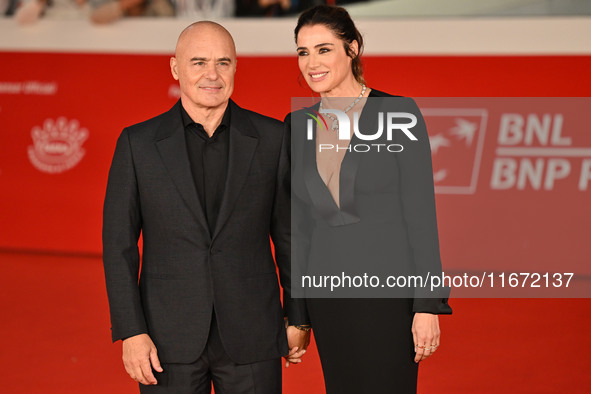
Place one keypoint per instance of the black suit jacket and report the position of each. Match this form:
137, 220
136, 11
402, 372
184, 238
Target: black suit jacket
186, 272
385, 223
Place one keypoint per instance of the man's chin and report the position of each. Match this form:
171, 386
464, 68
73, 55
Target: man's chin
210, 101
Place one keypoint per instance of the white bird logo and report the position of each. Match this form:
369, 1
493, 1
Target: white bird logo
438, 141
464, 130
440, 175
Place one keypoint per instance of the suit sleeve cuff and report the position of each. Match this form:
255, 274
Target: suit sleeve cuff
436, 306
295, 310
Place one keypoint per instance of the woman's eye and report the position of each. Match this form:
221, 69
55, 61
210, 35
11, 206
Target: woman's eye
302, 53
324, 50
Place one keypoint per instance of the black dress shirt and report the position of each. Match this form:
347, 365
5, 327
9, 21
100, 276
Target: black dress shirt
209, 162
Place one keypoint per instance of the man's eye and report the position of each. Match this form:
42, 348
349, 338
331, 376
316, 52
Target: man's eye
199, 63
224, 63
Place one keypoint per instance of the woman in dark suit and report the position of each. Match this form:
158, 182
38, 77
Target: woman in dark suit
359, 210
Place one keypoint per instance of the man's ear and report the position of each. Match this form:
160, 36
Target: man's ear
174, 68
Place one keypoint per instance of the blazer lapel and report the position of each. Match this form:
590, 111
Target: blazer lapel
319, 193
243, 143
317, 189
172, 147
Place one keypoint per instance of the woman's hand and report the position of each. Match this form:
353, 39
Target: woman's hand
298, 342
425, 334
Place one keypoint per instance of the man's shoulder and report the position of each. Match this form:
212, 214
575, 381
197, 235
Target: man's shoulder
258, 119
150, 126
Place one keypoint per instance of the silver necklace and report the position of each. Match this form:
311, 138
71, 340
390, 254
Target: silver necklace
335, 122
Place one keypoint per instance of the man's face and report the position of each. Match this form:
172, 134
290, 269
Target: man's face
205, 64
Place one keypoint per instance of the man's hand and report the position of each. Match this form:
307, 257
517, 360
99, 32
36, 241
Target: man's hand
425, 333
139, 357
298, 341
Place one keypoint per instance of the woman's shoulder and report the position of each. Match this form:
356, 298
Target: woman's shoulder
302, 112
403, 101
379, 93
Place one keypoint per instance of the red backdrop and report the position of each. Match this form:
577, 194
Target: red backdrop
99, 94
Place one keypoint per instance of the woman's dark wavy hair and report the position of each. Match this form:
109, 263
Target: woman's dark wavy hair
338, 20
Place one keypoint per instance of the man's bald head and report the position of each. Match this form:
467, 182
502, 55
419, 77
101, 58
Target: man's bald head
203, 29
204, 63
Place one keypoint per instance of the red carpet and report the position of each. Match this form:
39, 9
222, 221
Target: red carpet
55, 332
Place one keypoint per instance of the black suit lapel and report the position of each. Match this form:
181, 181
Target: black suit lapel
172, 147
319, 193
317, 189
243, 143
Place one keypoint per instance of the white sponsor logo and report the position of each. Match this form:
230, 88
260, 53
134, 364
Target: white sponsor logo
29, 88
457, 141
532, 152
57, 146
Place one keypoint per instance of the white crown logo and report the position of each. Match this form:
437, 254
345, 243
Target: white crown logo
57, 146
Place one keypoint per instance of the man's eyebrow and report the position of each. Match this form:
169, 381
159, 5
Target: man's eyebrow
205, 59
317, 45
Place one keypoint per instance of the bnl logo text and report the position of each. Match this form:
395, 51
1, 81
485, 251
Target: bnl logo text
344, 130
533, 152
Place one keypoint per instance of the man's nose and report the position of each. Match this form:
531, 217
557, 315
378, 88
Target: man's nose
212, 72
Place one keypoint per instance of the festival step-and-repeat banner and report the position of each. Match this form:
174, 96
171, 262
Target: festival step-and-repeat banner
512, 175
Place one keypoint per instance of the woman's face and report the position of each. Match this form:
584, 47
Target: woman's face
323, 60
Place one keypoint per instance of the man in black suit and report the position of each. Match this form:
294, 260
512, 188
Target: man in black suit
205, 184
